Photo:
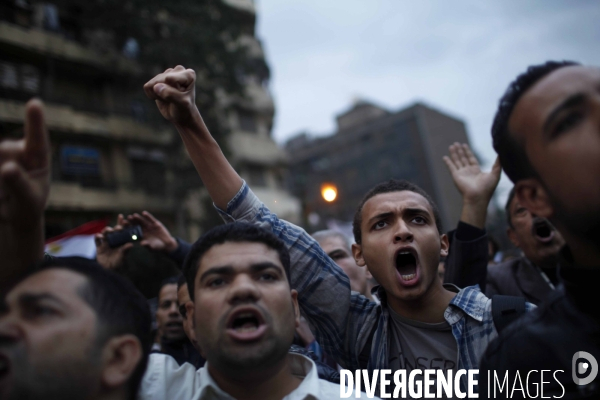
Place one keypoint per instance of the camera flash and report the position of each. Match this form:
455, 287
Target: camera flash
134, 237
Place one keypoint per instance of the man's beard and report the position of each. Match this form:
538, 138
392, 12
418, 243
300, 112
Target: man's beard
264, 355
59, 382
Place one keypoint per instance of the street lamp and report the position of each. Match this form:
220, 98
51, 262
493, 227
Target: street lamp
329, 192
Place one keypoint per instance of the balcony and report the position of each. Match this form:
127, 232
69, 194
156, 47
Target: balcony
65, 119
74, 197
244, 5
54, 45
255, 149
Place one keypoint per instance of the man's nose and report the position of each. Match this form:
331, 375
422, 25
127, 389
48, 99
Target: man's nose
9, 331
243, 289
402, 232
173, 310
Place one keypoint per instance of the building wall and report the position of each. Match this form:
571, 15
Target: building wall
408, 144
96, 110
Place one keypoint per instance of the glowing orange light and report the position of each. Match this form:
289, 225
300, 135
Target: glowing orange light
329, 192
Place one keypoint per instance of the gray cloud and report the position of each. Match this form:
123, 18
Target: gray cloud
457, 56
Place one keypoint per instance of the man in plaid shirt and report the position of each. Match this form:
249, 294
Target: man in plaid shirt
420, 323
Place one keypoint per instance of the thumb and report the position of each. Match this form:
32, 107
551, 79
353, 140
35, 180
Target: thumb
497, 168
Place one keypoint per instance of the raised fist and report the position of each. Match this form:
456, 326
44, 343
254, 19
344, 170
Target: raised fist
175, 94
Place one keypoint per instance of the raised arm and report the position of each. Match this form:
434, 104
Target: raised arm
174, 92
24, 188
323, 288
467, 259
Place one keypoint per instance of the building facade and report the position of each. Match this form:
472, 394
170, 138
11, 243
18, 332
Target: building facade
111, 150
373, 145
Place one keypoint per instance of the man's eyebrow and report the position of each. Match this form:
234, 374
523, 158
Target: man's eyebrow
265, 265
416, 210
335, 251
31, 298
229, 270
571, 101
224, 270
380, 216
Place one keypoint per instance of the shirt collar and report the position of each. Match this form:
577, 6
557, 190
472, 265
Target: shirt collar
469, 300
302, 367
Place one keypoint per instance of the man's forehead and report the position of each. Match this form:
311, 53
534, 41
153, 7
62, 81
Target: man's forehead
58, 282
238, 254
168, 290
333, 242
395, 201
537, 102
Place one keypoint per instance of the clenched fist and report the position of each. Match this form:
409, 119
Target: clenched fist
175, 94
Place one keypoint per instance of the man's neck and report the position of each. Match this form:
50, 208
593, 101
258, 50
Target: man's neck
273, 382
428, 308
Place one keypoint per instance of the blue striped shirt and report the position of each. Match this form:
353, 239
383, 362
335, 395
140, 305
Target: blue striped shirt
343, 320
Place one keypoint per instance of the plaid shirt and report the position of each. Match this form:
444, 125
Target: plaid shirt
343, 320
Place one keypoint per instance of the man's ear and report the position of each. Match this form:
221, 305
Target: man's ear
294, 294
358, 255
120, 356
532, 195
512, 236
444, 245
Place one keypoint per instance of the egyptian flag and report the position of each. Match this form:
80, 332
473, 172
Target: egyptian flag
76, 242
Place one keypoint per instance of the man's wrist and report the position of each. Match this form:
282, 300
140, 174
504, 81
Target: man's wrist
476, 201
171, 245
193, 123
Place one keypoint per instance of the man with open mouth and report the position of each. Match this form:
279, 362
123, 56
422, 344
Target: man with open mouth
534, 275
547, 134
420, 323
68, 328
244, 316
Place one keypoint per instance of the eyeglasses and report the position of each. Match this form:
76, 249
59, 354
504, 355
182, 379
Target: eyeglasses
182, 310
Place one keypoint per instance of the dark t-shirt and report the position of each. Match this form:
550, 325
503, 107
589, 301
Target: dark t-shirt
419, 345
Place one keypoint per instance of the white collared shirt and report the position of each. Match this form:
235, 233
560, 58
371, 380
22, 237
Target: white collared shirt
165, 380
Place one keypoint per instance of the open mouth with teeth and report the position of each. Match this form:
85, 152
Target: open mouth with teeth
543, 231
246, 325
174, 325
406, 265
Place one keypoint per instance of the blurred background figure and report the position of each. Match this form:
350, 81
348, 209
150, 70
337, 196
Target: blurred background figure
171, 337
533, 275
338, 247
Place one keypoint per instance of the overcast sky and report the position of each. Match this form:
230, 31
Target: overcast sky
455, 55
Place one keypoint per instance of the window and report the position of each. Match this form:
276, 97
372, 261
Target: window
257, 176
80, 164
8, 75
247, 121
149, 170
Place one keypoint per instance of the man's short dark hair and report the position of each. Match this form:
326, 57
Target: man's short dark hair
392, 185
120, 308
236, 232
512, 154
172, 280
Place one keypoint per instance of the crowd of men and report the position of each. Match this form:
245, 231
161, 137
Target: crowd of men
258, 309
